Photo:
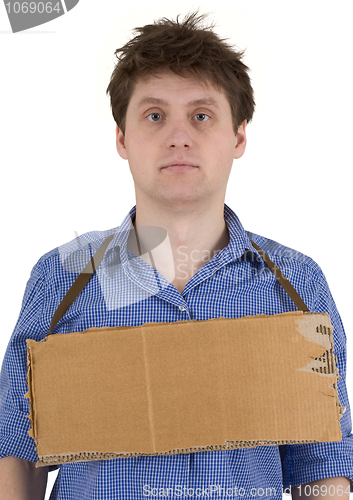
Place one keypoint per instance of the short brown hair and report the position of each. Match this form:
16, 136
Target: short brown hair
187, 49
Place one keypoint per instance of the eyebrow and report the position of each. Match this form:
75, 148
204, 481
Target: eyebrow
209, 101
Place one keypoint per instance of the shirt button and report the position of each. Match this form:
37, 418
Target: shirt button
181, 308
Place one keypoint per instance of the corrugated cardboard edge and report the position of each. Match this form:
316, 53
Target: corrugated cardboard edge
87, 456
32, 431
319, 365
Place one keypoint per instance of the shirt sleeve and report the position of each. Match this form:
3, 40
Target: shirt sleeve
14, 407
304, 463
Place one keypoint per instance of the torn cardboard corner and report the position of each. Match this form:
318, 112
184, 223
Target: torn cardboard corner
188, 386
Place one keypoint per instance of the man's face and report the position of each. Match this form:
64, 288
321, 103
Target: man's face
179, 121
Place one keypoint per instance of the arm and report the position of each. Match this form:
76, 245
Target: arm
302, 463
21, 480
331, 488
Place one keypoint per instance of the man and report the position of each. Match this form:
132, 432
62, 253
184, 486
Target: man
181, 99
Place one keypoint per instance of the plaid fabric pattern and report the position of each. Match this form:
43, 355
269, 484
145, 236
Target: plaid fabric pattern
126, 290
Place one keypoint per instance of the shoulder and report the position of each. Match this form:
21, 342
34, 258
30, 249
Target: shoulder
304, 274
302, 271
72, 256
284, 256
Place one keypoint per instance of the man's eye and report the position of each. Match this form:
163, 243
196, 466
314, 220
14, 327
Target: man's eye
202, 117
154, 117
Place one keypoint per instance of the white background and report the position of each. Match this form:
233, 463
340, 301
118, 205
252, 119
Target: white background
60, 171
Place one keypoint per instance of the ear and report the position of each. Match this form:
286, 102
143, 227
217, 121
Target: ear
120, 143
240, 141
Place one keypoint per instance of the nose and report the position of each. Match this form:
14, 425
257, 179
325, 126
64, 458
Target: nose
179, 135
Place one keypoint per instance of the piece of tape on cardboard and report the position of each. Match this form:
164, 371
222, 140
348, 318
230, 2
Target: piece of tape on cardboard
182, 387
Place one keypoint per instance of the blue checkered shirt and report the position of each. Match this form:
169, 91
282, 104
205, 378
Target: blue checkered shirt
127, 290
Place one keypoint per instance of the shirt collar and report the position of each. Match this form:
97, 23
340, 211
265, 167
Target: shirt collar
239, 242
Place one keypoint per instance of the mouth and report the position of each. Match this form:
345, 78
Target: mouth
179, 166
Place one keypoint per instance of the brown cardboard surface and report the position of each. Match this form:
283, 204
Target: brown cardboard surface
188, 386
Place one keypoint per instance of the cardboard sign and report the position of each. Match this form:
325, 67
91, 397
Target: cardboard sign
188, 386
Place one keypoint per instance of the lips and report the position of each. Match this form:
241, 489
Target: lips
180, 168
180, 164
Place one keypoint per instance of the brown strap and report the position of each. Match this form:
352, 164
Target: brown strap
288, 287
91, 267
80, 282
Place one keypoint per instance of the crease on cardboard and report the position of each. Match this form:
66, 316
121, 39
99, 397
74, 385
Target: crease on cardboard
149, 391
223, 403
324, 365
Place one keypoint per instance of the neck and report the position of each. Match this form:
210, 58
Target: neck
193, 238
